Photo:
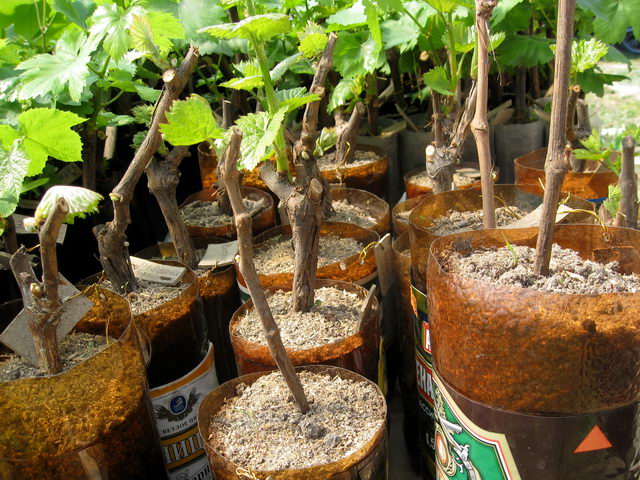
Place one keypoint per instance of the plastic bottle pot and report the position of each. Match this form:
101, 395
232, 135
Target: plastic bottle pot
368, 462
95, 417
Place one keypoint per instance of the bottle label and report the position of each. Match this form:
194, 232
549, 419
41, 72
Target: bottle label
463, 450
175, 407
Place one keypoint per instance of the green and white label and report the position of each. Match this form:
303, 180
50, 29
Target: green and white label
464, 451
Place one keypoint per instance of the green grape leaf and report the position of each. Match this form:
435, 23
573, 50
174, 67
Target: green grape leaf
346, 89
189, 122
151, 34
77, 11
281, 68
437, 79
81, 201
525, 51
146, 93
14, 164
259, 132
496, 40
244, 83
8, 135
111, 19
325, 141
110, 119
593, 81
373, 22
67, 68
585, 54
195, 14
263, 27
353, 16
356, 54
294, 98
612, 203
502, 9
47, 132
618, 15
389, 5
312, 40
444, 6
402, 33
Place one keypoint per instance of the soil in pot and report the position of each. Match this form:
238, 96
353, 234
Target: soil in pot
356, 266
343, 436
367, 171
418, 183
360, 207
454, 221
276, 254
208, 214
542, 370
592, 184
219, 293
333, 332
202, 216
344, 415
334, 317
523, 197
96, 415
568, 272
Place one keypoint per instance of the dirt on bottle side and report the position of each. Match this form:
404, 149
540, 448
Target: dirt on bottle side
349, 213
360, 157
207, 214
74, 349
276, 254
333, 318
568, 272
456, 222
262, 428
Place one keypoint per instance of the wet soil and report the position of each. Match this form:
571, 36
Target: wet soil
569, 273
334, 317
276, 255
263, 429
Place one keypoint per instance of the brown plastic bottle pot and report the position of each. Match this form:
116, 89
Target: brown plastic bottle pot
94, 417
368, 462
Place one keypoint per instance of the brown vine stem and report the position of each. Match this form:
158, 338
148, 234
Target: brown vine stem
242, 219
306, 201
557, 161
112, 245
41, 300
480, 124
347, 133
627, 215
163, 177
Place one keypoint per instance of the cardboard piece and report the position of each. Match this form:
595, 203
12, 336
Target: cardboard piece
219, 254
17, 336
156, 272
532, 219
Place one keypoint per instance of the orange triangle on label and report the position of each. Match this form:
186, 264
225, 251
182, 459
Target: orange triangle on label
596, 440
